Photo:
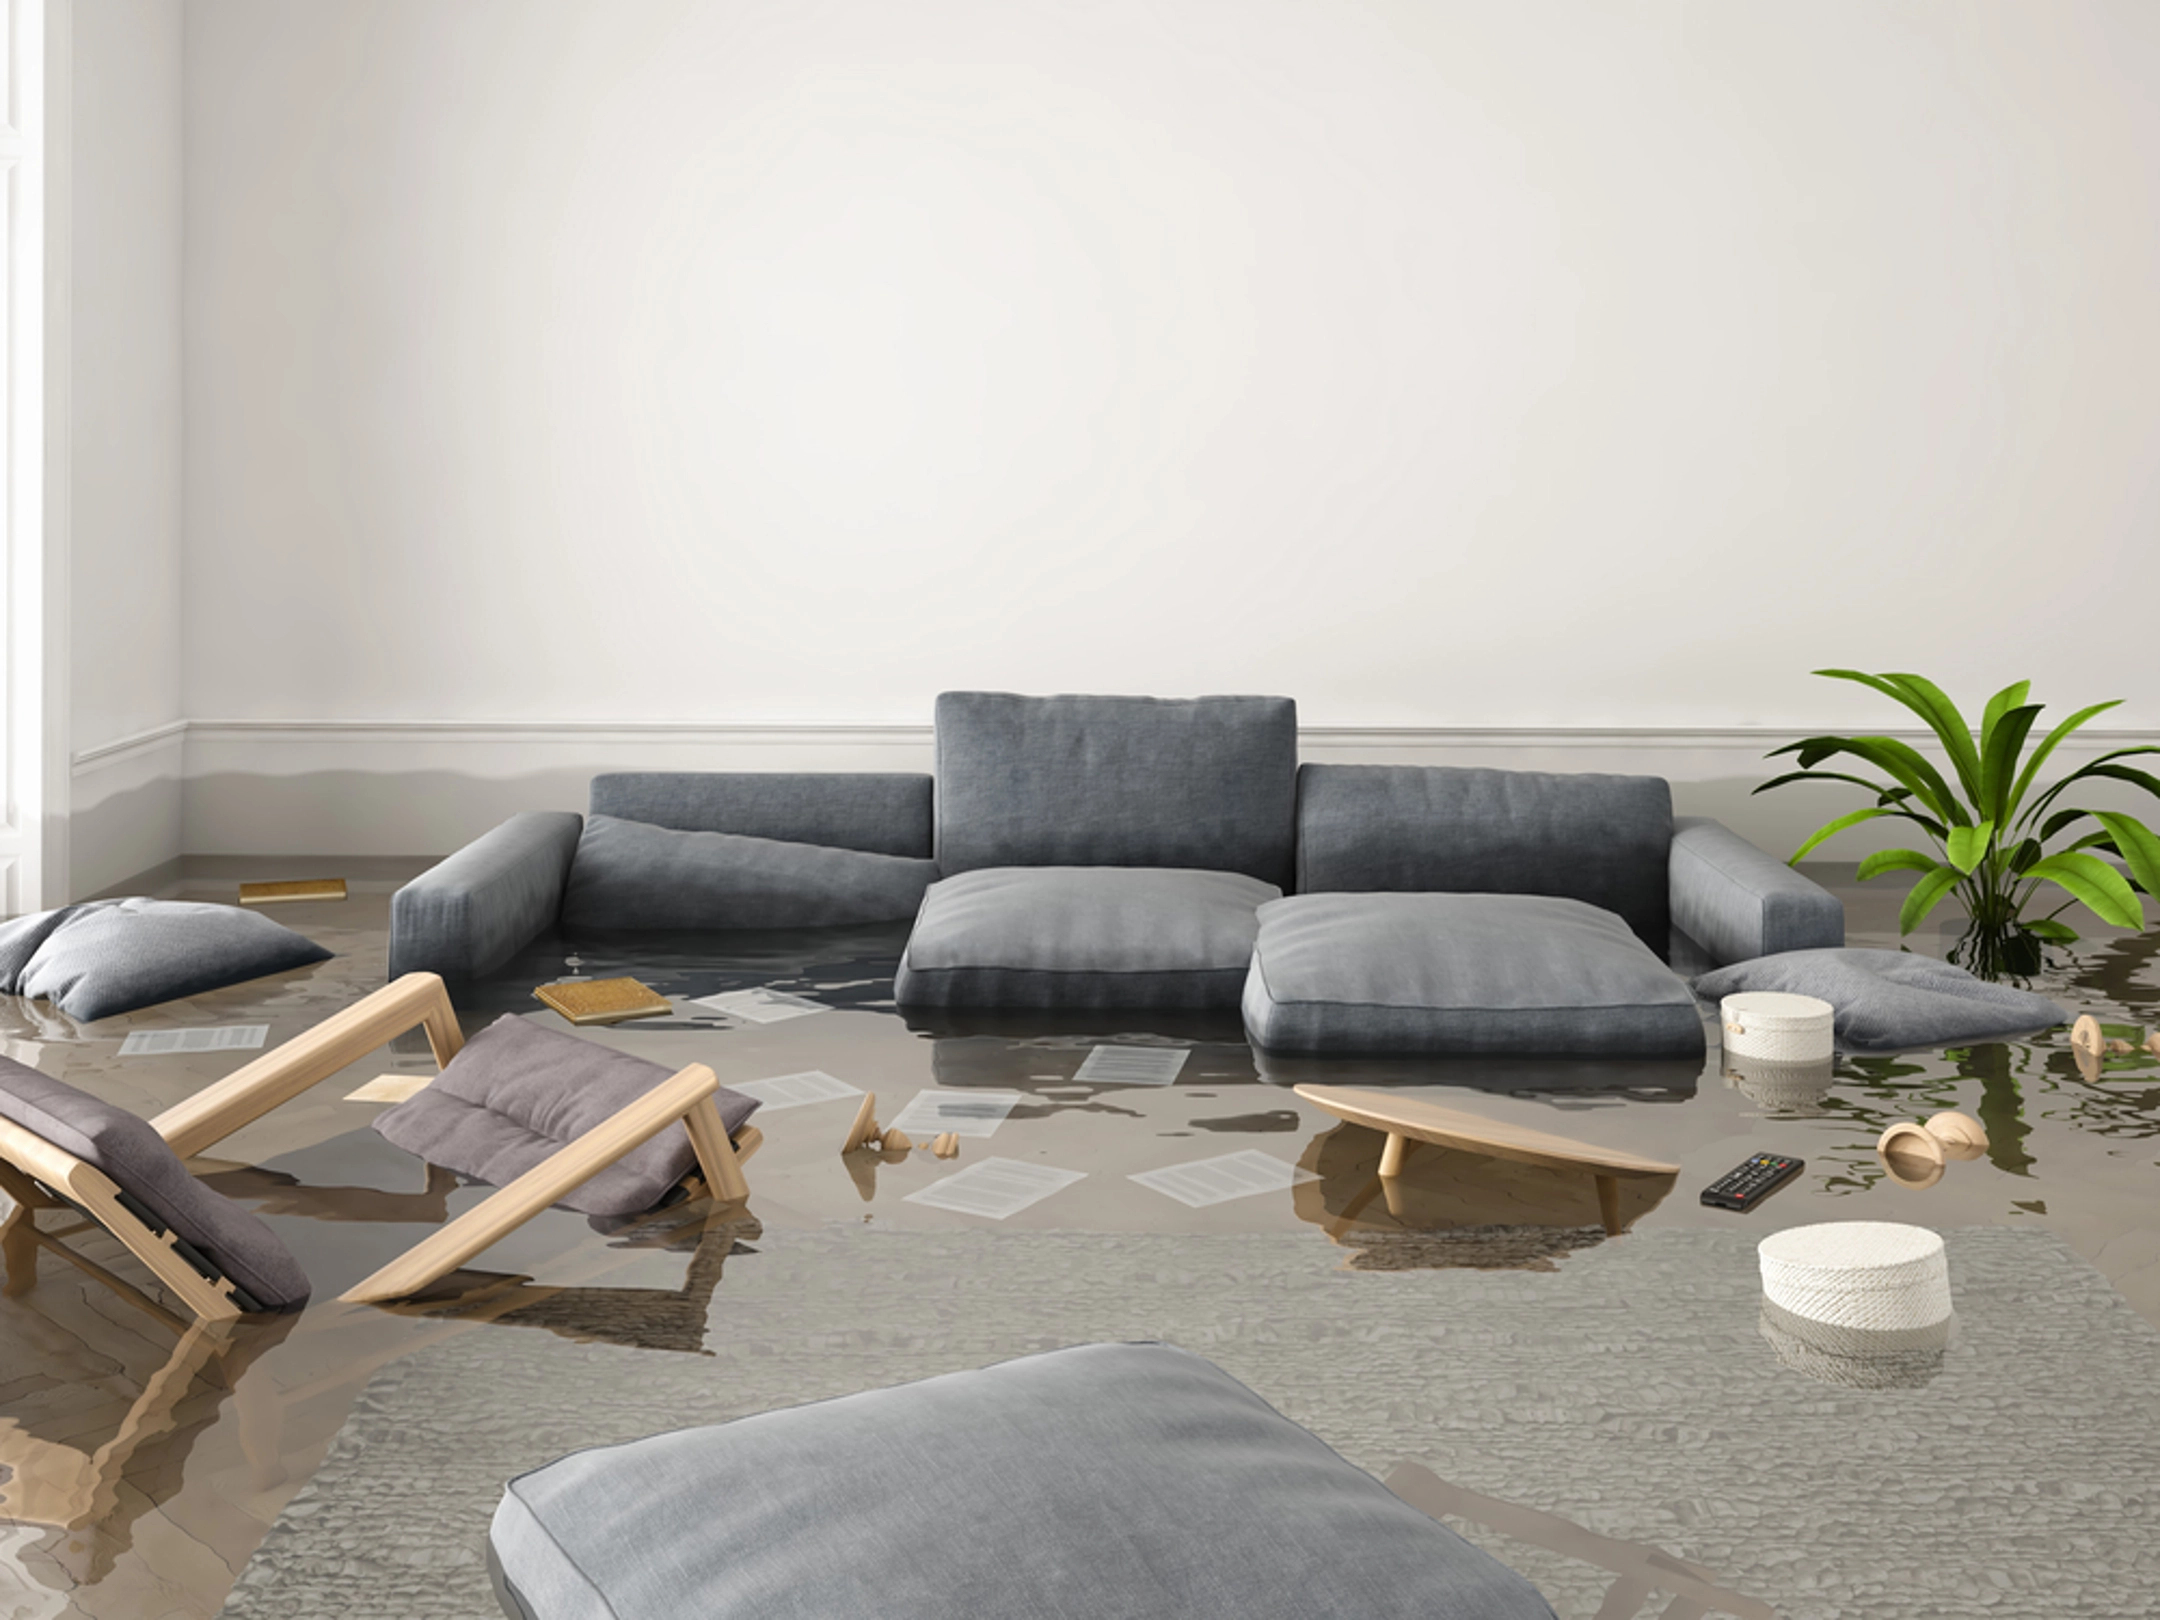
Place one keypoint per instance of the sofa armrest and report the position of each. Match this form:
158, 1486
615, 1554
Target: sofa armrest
472, 912
1738, 903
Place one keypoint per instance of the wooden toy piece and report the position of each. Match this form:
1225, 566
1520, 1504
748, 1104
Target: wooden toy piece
1962, 1136
897, 1141
2152, 1043
865, 1128
2117, 1047
946, 1145
1912, 1154
2086, 1035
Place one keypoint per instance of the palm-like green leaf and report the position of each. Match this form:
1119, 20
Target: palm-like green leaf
1924, 896
1999, 759
1966, 845
2091, 880
2135, 843
2056, 933
1998, 706
2105, 765
1897, 860
1899, 760
1928, 701
2047, 747
1830, 829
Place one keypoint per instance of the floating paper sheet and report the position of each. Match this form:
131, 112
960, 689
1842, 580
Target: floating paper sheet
1201, 1182
1133, 1065
964, 1113
796, 1090
761, 1006
995, 1188
219, 1038
390, 1088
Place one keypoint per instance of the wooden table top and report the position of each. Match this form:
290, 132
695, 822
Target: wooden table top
1449, 1127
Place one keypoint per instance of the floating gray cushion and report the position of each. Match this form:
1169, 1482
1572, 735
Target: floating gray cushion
881, 813
137, 1161
628, 875
517, 1092
1460, 975
1434, 829
1117, 781
1891, 999
1082, 937
470, 913
106, 957
1108, 1480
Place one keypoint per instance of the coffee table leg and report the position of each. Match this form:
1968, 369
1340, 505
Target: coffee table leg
1608, 1203
1391, 1156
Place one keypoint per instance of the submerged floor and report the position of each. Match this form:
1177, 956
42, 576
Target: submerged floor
146, 1464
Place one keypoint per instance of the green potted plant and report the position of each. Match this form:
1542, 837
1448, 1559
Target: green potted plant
1990, 822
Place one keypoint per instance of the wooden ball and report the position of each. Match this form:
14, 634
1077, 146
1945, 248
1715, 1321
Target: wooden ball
1962, 1136
1911, 1154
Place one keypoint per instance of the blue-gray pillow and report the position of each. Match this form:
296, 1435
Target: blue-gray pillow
1886, 1000
1112, 1479
628, 875
137, 1161
107, 957
517, 1092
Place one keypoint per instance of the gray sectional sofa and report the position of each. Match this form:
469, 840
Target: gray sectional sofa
1104, 853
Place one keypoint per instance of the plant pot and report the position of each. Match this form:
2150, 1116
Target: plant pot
1998, 951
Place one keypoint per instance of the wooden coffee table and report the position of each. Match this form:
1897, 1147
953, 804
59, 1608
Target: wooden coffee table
1408, 1119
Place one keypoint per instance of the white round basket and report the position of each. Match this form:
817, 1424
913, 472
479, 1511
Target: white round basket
1871, 1276
1775, 1026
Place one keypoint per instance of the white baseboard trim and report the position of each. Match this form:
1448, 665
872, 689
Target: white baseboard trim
424, 787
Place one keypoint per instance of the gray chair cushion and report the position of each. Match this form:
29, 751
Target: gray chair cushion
1603, 840
517, 1092
1117, 781
136, 1160
881, 813
1460, 975
106, 957
627, 875
1886, 1000
1108, 1480
1082, 937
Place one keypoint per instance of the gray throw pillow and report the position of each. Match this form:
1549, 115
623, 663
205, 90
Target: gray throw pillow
137, 1161
1120, 1480
1886, 1000
518, 1092
628, 875
107, 957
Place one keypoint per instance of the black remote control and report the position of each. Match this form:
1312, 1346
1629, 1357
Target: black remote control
1750, 1183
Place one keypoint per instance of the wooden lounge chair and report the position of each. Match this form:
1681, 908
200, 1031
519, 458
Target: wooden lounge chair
127, 1175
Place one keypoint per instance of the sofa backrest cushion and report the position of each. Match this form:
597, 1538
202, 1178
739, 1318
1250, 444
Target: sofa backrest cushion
1405, 828
1207, 783
880, 813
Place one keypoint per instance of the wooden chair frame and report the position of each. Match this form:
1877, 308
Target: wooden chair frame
36, 1174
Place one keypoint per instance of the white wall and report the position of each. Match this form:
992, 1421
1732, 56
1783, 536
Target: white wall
124, 677
1491, 365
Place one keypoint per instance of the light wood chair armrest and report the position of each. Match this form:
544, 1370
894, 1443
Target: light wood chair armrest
546, 1182
279, 1075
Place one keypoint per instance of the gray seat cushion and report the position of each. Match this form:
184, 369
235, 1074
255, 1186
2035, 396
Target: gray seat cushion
1886, 1000
1117, 781
1082, 937
1418, 829
107, 957
878, 812
628, 875
1461, 975
517, 1092
136, 1160
1108, 1480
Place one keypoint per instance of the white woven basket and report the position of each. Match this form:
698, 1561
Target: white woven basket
1779, 1027
1877, 1276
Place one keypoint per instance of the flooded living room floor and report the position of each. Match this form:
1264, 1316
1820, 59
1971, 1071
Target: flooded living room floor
145, 1464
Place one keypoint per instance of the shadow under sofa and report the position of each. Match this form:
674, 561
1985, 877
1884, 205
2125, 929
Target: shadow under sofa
1088, 854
